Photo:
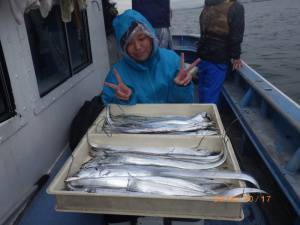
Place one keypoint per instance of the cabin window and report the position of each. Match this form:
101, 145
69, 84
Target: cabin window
7, 106
59, 50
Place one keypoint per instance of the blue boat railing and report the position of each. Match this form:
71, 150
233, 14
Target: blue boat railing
186, 44
270, 119
278, 100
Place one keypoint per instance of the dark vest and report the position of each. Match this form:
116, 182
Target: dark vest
214, 21
157, 12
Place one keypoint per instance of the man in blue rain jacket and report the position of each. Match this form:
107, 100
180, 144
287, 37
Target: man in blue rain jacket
146, 73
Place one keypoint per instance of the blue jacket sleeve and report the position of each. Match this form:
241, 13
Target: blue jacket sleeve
181, 94
109, 96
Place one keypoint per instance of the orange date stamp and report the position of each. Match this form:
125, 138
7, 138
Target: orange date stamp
246, 198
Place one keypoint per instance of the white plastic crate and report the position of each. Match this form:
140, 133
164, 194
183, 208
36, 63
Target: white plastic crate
140, 204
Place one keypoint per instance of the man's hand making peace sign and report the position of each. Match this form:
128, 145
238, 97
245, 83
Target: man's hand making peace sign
121, 90
183, 77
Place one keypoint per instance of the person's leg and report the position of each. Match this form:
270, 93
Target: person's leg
202, 73
211, 78
164, 37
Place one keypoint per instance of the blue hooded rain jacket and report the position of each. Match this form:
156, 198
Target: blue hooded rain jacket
151, 81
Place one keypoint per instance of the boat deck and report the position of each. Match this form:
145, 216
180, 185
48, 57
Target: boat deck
41, 211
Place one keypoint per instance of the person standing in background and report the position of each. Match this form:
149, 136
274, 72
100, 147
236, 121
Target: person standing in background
222, 30
158, 13
109, 13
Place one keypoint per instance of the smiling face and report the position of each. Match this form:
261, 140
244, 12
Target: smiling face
139, 47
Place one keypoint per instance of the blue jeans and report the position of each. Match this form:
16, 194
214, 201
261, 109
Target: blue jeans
211, 77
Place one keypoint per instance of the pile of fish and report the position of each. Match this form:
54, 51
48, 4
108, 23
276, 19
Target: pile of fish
159, 180
162, 171
185, 158
199, 124
171, 171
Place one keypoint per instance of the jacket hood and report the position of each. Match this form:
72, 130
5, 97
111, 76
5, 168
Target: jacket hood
122, 24
213, 2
